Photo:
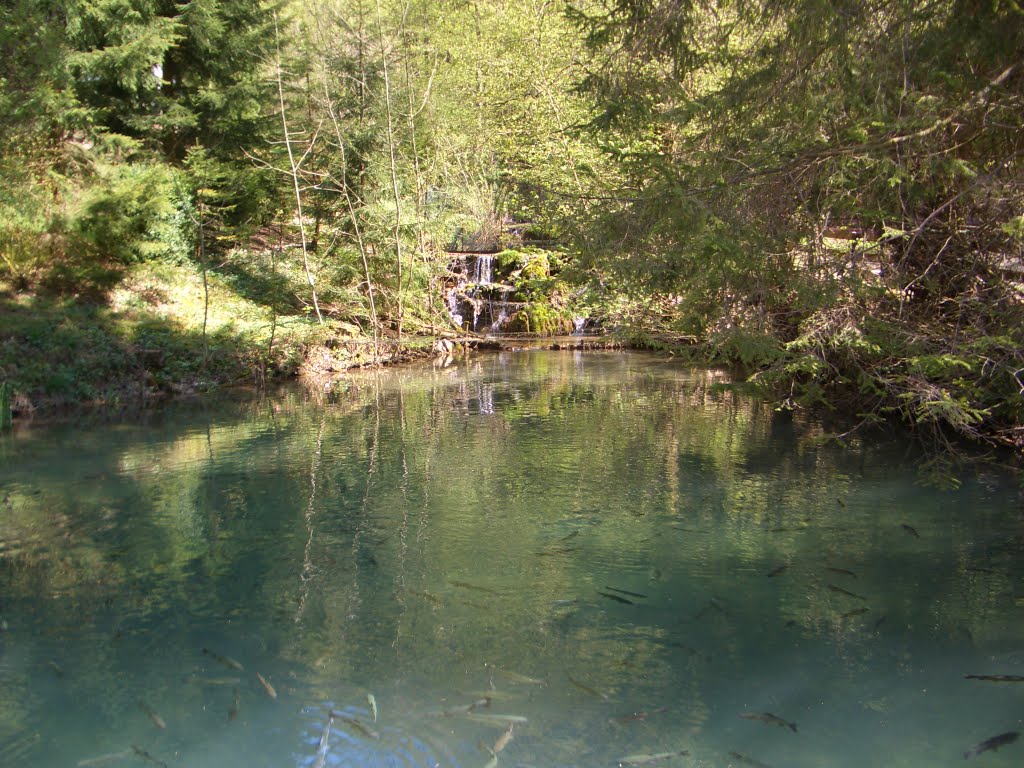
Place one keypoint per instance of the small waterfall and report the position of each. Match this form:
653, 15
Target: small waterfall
454, 295
483, 277
452, 302
483, 274
477, 300
501, 318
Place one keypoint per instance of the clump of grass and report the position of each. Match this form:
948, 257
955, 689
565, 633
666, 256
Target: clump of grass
146, 341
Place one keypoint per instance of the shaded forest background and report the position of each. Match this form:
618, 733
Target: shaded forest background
827, 193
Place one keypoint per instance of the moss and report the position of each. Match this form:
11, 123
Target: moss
544, 319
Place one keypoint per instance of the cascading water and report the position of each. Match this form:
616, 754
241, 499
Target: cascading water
478, 299
502, 317
452, 302
452, 296
473, 287
483, 274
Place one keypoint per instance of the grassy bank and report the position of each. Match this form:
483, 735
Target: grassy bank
145, 340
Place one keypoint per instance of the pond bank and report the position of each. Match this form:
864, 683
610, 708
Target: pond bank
154, 338
61, 361
326, 362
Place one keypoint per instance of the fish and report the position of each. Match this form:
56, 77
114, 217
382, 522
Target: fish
713, 604
568, 536
586, 688
841, 503
504, 739
843, 571
492, 694
211, 680
515, 677
426, 596
643, 759
103, 759
227, 661
157, 720
625, 592
58, 670
372, 701
616, 598
325, 737
355, 723
495, 718
848, 593
854, 612
633, 716
551, 552
467, 708
777, 570
881, 621
910, 529
467, 585
768, 718
747, 760
266, 686
233, 712
143, 754
997, 678
991, 745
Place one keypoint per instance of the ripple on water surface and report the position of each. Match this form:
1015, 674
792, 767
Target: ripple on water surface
607, 552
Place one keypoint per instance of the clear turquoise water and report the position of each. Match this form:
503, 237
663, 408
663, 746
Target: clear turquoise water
432, 536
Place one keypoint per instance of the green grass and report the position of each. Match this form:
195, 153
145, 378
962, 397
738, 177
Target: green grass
146, 340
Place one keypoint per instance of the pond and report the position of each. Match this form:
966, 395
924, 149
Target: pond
526, 559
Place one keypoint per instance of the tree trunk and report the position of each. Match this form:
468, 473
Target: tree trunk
294, 168
393, 166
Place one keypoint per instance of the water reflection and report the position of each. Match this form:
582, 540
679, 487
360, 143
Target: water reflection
606, 544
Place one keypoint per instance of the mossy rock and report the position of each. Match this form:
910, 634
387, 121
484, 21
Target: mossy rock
536, 267
543, 319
